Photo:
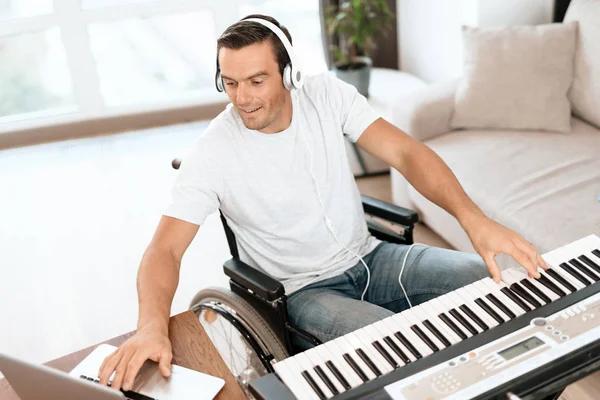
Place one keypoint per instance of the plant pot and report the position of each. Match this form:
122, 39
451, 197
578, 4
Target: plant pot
357, 73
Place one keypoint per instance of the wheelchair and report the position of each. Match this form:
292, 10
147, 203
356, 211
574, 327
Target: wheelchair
248, 324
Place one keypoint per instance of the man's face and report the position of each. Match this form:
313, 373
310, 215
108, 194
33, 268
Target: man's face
254, 85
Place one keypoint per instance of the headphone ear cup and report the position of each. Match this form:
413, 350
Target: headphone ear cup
287, 77
219, 82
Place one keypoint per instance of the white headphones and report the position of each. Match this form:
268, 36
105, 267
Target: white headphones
293, 78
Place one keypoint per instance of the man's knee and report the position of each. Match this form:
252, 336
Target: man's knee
473, 269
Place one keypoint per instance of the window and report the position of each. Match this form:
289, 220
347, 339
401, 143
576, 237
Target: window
87, 58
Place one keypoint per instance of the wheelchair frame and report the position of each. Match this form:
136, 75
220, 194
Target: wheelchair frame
267, 296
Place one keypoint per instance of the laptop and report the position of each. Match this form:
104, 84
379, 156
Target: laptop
39, 382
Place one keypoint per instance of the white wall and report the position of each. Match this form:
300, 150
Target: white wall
429, 31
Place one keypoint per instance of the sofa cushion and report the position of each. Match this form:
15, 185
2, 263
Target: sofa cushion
585, 92
542, 185
516, 78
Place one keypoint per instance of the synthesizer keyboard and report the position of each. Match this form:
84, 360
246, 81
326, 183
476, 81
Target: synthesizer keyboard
463, 344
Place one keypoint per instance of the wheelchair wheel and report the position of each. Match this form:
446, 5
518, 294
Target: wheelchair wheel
242, 337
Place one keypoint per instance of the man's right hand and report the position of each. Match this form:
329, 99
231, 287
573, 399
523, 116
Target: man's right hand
147, 343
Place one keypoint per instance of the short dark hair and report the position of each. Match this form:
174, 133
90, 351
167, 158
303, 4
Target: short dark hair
244, 33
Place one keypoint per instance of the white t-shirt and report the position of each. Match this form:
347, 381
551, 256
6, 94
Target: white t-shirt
263, 185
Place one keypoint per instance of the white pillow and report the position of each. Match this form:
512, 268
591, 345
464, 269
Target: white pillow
516, 78
585, 91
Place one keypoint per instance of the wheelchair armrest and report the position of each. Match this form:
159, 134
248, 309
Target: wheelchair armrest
250, 278
388, 211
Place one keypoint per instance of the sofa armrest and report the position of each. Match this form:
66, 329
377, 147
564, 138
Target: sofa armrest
250, 278
426, 113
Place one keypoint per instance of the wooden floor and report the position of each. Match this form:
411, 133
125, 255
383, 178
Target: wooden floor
75, 217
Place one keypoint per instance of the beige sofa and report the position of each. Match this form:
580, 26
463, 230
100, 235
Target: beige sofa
544, 185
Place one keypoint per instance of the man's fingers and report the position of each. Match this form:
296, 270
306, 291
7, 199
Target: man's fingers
532, 254
106, 360
121, 369
109, 367
525, 262
542, 262
165, 362
133, 367
490, 261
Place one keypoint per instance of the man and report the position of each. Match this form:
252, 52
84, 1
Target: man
274, 163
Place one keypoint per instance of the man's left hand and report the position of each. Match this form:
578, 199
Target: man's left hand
489, 239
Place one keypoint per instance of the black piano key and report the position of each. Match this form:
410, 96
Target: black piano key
396, 349
518, 289
575, 274
368, 361
385, 354
489, 310
458, 316
582, 268
408, 345
558, 278
314, 385
513, 296
596, 253
326, 379
590, 263
453, 326
544, 280
501, 305
536, 291
437, 333
424, 338
474, 317
355, 367
336, 372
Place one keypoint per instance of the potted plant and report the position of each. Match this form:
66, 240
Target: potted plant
356, 24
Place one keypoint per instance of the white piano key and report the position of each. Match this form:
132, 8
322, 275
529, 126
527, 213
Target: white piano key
479, 289
582, 249
385, 330
334, 353
555, 282
433, 317
553, 296
421, 315
371, 352
551, 260
476, 294
518, 275
315, 357
416, 320
593, 240
294, 381
376, 336
480, 312
349, 347
308, 366
568, 276
442, 308
496, 290
567, 254
400, 324
456, 301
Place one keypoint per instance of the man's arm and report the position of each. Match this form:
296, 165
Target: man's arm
430, 175
158, 277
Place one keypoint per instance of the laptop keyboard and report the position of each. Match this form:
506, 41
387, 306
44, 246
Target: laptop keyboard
128, 394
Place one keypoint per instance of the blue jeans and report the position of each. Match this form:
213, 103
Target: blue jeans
333, 307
